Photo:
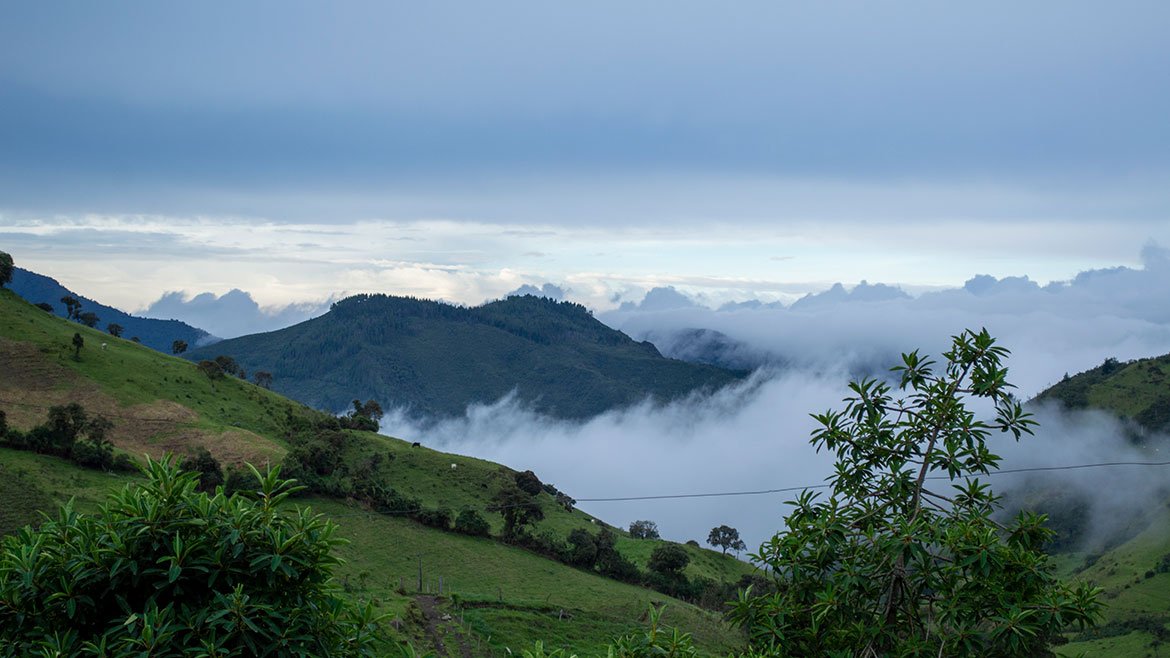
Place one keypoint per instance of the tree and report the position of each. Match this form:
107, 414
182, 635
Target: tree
666, 570
727, 538
72, 306
228, 364
644, 530
178, 347
582, 551
529, 483
78, 343
519, 510
163, 570
890, 563
89, 319
6, 268
368, 409
469, 522
114, 329
206, 466
210, 368
45, 306
669, 560
263, 378
364, 416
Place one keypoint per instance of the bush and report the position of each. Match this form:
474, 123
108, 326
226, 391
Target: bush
163, 570
435, 518
206, 466
582, 549
470, 522
668, 559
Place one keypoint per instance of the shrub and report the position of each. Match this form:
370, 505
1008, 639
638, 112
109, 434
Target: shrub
435, 518
470, 522
206, 466
164, 570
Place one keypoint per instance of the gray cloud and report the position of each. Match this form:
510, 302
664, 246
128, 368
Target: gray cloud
1061, 327
549, 290
383, 109
231, 314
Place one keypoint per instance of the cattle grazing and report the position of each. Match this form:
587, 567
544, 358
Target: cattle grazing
416, 444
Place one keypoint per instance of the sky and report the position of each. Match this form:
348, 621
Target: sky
242, 165
298, 150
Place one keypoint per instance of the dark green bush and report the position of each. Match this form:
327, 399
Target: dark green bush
163, 570
470, 522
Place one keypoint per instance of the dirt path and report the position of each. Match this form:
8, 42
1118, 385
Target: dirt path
440, 625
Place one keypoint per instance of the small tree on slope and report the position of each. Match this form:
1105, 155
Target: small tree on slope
896, 562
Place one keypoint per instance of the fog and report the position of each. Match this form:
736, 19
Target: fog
755, 436
749, 437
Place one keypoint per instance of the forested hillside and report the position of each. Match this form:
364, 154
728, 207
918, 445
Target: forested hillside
436, 358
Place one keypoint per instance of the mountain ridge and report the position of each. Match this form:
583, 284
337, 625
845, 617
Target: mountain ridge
435, 359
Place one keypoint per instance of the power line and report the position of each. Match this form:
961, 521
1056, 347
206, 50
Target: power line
717, 494
1032, 469
722, 494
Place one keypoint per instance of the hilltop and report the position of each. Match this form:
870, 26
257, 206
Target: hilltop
494, 594
1137, 391
156, 334
435, 359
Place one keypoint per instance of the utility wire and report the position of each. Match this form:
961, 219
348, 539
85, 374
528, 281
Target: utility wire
718, 494
1032, 469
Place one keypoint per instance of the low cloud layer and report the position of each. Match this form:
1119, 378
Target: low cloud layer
755, 436
1053, 329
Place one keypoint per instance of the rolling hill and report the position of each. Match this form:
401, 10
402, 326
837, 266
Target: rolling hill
156, 334
1138, 391
435, 359
494, 595
1134, 567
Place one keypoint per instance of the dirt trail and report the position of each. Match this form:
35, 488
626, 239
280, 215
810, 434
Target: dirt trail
440, 626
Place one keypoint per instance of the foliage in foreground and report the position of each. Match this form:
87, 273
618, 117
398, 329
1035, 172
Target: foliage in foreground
887, 565
164, 570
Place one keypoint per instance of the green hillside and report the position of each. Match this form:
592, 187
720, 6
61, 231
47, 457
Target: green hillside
1138, 391
159, 334
504, 596
1135, 573
436, 358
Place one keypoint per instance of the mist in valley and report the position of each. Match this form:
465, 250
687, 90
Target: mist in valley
754, 436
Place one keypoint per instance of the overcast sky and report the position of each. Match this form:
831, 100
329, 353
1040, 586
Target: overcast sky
298, 150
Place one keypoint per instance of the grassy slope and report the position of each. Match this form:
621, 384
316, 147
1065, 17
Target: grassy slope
1138, 391
160, 403
437, 358
1134, 589
158, 334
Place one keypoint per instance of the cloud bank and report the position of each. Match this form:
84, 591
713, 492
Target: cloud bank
755, 436
231, 314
